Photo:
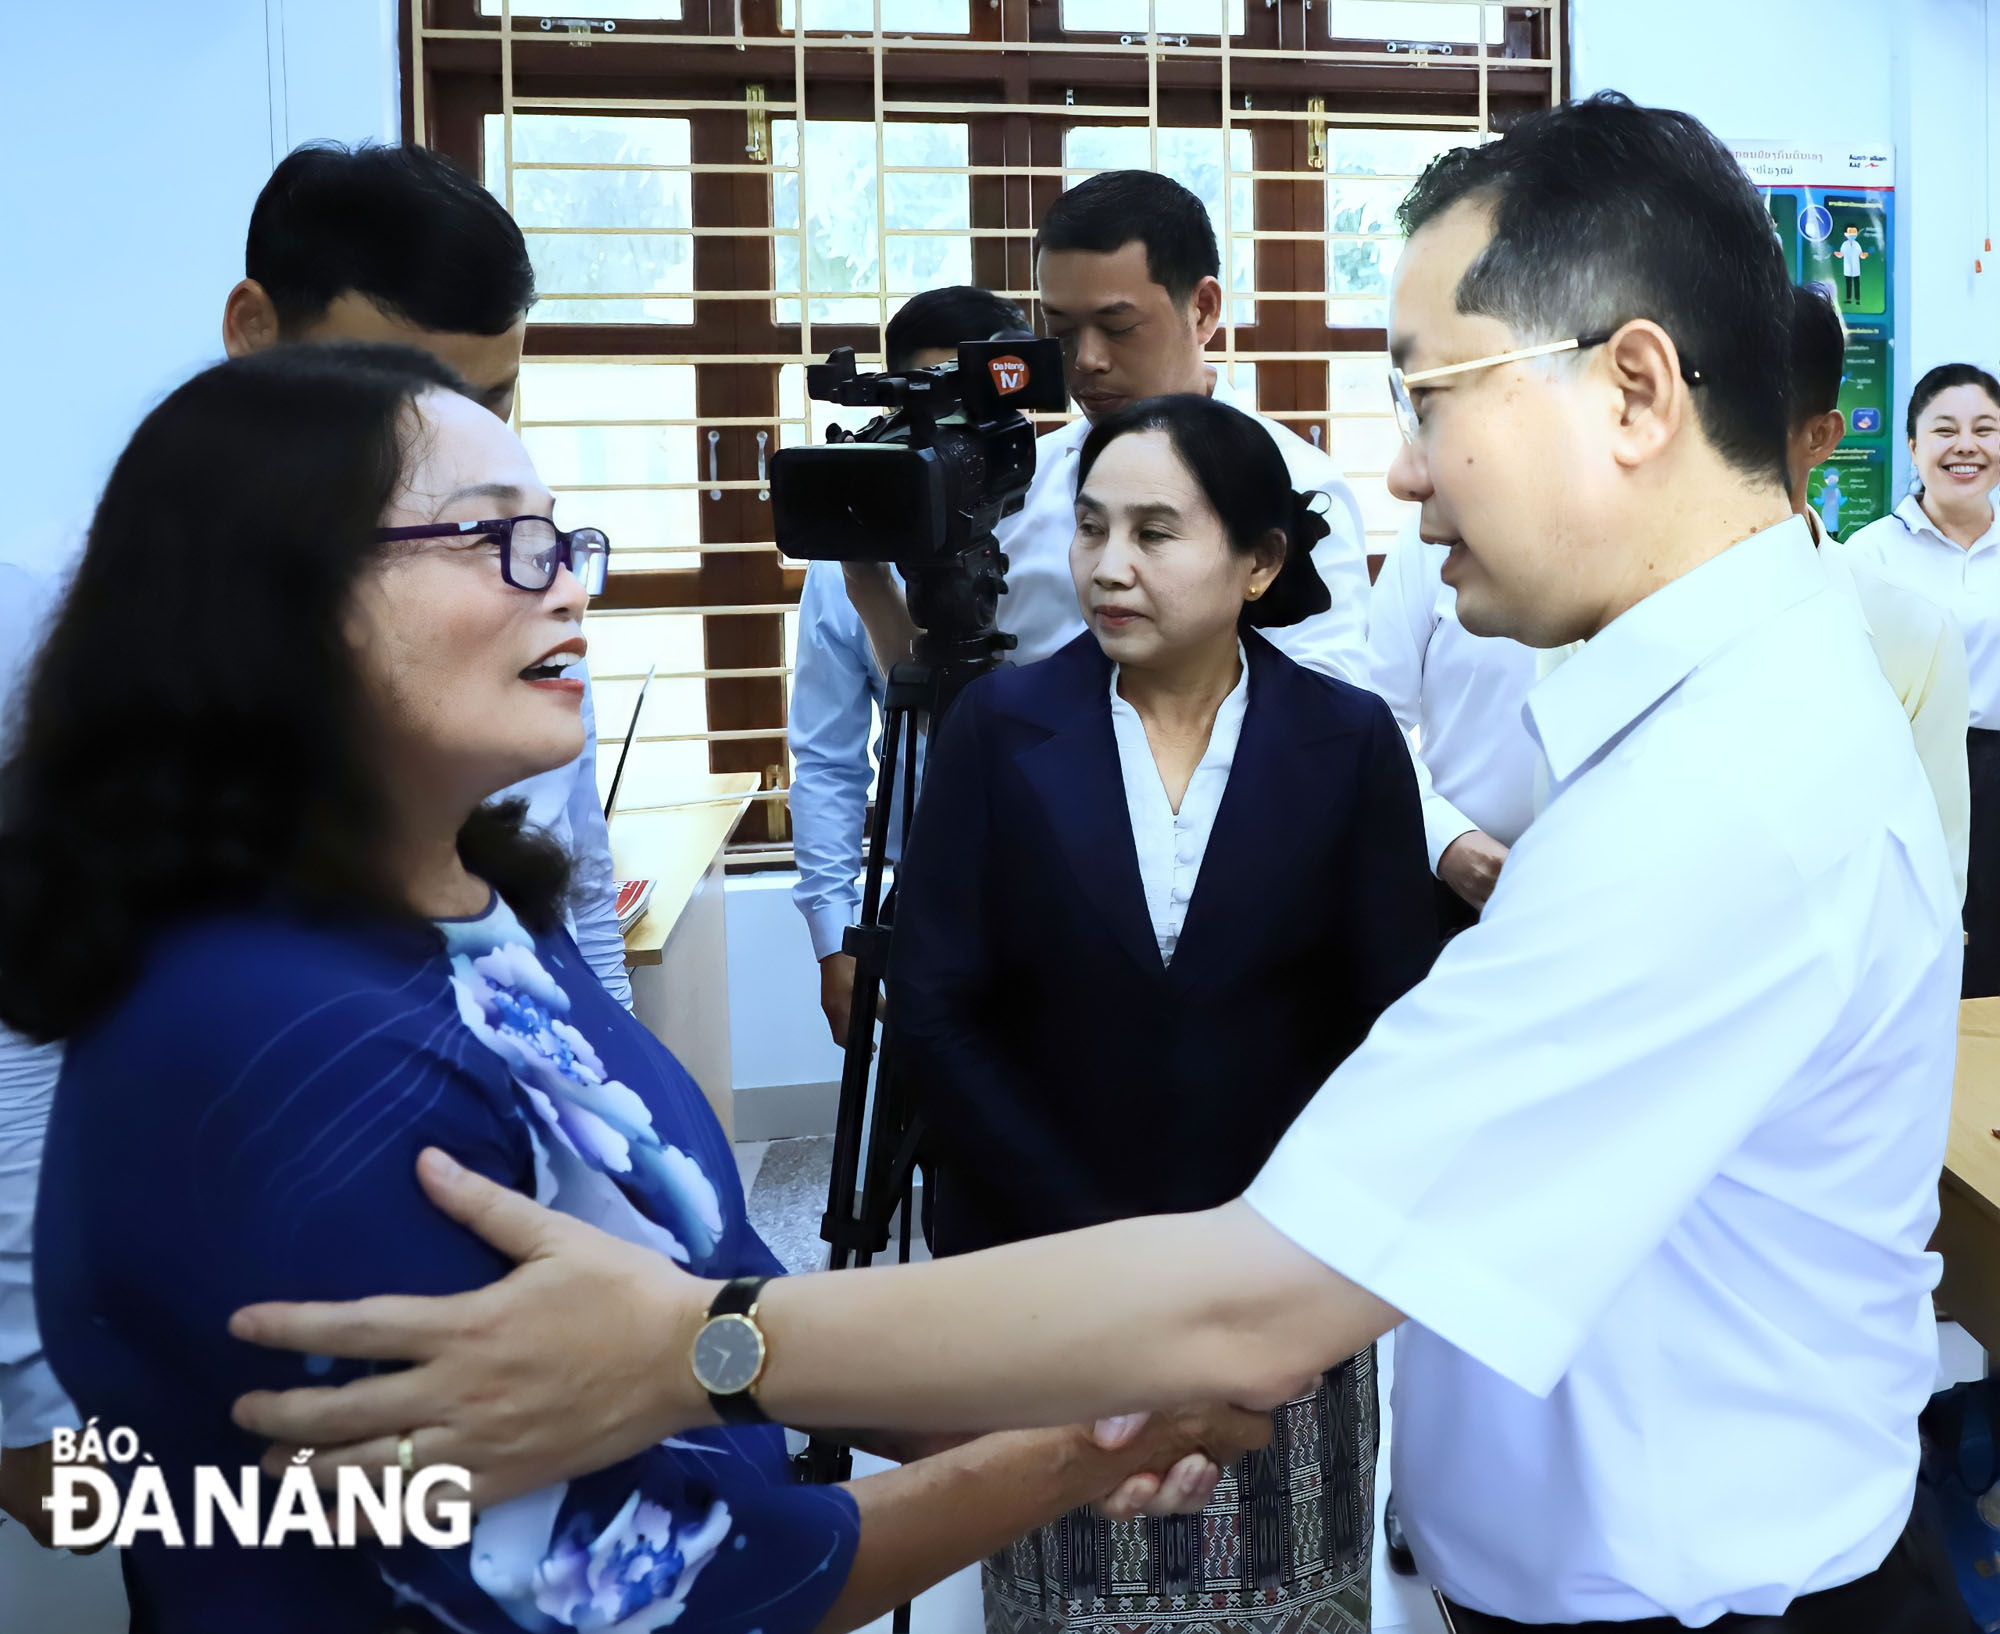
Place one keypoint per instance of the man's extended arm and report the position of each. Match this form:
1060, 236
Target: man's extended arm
884, 610
832, 713
1150, 1313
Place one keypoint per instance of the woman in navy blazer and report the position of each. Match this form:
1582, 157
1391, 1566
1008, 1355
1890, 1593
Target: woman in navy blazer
1087, 1043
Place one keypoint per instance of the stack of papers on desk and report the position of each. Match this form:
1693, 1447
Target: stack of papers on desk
633, 895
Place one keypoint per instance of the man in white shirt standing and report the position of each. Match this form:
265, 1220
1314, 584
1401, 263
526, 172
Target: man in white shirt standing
1646, 1166
1129, 278
1461, 694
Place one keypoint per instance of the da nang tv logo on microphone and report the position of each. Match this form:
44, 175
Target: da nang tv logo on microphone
90, 1509
1010, 374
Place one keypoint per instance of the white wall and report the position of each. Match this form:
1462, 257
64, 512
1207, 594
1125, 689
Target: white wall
127, 172
1919, 75
1802, 68
1947, 88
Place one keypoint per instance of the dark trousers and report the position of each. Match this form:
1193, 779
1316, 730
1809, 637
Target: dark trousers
1912, 1592
1982, 873
1853, 281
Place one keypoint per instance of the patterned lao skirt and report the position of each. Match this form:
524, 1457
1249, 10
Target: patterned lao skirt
1283, 1548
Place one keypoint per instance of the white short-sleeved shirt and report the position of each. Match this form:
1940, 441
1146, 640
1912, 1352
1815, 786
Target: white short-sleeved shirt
1650, 1159
1039, 607
1907, 548
1171, 844
1851, 253
1459, 693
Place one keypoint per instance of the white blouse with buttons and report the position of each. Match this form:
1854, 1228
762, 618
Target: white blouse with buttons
1907, 547
1172, 843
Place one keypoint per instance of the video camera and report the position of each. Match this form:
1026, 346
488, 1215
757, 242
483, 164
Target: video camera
924, 485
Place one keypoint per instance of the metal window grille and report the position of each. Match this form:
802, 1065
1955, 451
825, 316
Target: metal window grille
717, 192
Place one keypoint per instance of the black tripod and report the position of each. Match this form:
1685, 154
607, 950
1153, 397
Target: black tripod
856, 1227
863, 1198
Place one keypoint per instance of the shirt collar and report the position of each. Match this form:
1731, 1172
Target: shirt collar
1912, 515
1648, 650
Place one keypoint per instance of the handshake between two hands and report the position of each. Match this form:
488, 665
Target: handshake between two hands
1177, 1457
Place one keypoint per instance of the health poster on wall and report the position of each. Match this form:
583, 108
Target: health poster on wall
1835, 212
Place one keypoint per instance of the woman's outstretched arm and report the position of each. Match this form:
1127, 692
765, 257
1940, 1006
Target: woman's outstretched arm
921, 1523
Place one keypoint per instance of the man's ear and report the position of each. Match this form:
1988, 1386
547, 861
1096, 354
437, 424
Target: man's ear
1206, 306
1653, 401
249, 320
1823, 434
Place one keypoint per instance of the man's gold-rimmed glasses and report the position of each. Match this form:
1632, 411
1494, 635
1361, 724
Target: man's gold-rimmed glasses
1400, 383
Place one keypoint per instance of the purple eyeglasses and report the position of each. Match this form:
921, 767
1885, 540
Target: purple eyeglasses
533, 550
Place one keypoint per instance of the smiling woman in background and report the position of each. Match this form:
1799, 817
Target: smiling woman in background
1944, 541
1158, 887
248, 872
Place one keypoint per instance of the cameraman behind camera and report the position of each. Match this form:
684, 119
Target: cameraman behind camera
837, 685
1128, 272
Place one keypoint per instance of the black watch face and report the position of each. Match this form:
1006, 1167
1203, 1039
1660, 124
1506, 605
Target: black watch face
727, 1354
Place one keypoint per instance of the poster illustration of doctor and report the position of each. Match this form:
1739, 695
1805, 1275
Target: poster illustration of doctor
1851, 256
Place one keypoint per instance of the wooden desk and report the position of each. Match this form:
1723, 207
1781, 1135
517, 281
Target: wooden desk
678, 952
1968, 1233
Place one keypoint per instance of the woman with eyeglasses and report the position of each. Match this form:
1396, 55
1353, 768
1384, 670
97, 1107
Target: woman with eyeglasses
248, 872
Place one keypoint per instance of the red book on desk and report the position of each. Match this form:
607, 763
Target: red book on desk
633, 895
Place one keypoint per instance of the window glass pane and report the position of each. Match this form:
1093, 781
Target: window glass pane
898, 16
601, 277
929, 216
622, 647
589, 466
645, 11
1420, 21
1193, 157
1367, 174
606, 391
1365, 440
1358, 383
1242, 379
1166, 16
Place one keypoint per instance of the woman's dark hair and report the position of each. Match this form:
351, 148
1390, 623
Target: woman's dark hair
1942, 379
1819, 353
1239, 469
401, 225
1604, 212
194, 735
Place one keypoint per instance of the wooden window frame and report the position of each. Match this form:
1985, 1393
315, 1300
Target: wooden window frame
1040, 79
